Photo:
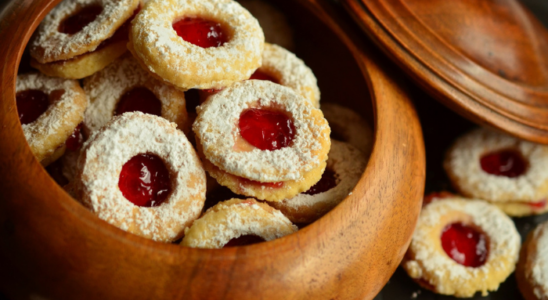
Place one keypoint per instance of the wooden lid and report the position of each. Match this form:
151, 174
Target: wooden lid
487, 60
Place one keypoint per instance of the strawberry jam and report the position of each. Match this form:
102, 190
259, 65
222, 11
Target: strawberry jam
75, 140
265, 129
538, 205
81, 19
200, 32
139, 99
244, 240
327, 182
246, 181
465, 245
258, 75
144, 180
31, 104
507, 163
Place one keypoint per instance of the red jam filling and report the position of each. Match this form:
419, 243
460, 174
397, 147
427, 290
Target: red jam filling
76, 139
258, 75
244, 240
327, 182
507, 163
139, 99
265, 129
144, 180
464, 244
265, 184
538, 205
31, 104
200, 32
81, 19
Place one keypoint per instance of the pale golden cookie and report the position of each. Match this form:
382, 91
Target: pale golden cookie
83, 65
49, 44
107, 87
524, 193
155, 43
67, 102
99, 170
234, 218
217, 130
348, 126
277, 191
532, 268
347, 165
429, 264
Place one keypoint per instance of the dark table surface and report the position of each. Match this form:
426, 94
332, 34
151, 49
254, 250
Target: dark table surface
441, 126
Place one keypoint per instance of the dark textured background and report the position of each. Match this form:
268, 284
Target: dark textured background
440, 127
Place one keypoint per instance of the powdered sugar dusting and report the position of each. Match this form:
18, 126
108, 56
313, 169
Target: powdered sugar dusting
101, 162
217, 129
463, 165
539, 262
106, 87
48, 44
234, 218
291, 71
155, 43
61, 117
345, 161
349, 126
428, 260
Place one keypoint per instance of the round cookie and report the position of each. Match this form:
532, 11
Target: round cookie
155, 42
345, 167
110, 171
461, 247
506, 171
125, 86
348, 126
220, 134
235, 219
532, 268
282, 67
49, 109
63, 36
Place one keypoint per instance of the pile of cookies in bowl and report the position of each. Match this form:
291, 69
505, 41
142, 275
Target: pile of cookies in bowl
194, 132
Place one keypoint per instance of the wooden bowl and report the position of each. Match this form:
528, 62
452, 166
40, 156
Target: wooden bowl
484, 60
53, 248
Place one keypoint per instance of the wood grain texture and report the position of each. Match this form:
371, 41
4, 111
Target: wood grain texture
484, 59
53, 248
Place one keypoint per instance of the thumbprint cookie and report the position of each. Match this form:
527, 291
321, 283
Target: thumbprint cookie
461, 247
283, 67
506, 171
532, 268
80, 37
200, 44
125, 87
237, 223
348, 126
50, 110
262, 140
345, 166
141, 174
